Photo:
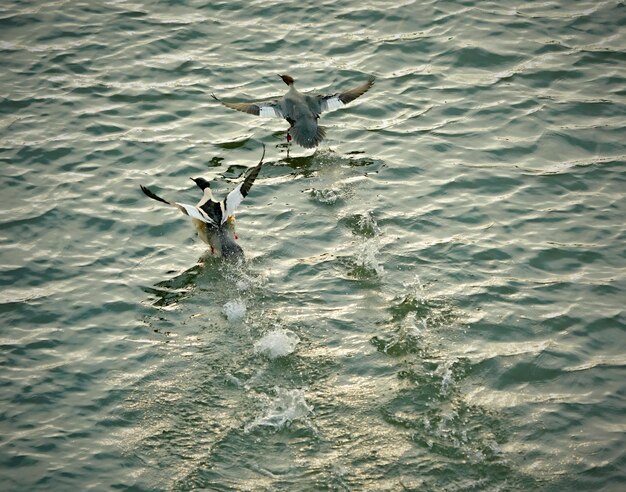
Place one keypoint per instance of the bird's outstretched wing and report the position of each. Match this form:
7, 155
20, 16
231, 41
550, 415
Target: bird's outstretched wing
235, 197
339, 100
189, 210
268, 109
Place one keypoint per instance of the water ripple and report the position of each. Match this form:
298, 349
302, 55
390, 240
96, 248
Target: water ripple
449, 262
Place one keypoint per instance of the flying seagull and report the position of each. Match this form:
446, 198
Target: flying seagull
213, 220
301, 110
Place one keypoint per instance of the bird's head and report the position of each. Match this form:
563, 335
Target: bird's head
287, 79
201, 182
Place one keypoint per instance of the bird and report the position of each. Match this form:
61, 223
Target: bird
301, 110
214, 221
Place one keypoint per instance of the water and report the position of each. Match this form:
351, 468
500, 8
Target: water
433, 300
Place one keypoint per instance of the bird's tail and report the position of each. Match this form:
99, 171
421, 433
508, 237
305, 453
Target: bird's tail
308, 137
320, 135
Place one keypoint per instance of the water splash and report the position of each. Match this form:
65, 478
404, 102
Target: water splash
364, 263
366, 258
411, 327
445, 371
362, 224
246, 280
326, 196
277, 343
287, 406
366, 225
415, 286
234, 310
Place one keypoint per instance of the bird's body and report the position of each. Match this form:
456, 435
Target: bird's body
302, 111
214, 221
221, 239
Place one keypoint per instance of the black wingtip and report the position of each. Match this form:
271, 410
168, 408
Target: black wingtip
263, 156
201, 183
215, 97
152, 195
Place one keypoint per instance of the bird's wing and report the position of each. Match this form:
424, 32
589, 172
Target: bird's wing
267, 109
235, 197
339, 100
189, 210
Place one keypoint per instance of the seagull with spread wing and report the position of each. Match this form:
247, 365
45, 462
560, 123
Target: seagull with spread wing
301, 110
214, 221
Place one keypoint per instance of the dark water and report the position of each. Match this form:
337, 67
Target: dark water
433, 300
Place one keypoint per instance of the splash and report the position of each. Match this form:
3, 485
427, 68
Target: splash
277, 343
415, 287
411, 327
445, 371
234, 310
289, 405
246, 281
242, 285
366, 257
326, 196
366, 225
362, 224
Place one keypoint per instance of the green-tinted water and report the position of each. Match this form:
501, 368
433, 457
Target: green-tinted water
433, 300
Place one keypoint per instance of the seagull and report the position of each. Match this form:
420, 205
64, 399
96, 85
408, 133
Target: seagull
301, 110
214, 221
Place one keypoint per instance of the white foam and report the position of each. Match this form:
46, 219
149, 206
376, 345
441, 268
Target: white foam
277, 343
287, 406
234, 310
326, 196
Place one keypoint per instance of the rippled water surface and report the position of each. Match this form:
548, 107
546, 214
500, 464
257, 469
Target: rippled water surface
432, 300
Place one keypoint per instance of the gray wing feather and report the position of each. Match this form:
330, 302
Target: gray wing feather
335, 101
267, 109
